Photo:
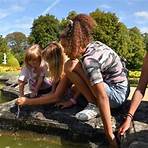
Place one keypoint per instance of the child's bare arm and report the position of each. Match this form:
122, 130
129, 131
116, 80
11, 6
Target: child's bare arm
39, 83
21, 88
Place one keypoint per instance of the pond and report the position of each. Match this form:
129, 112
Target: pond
26, 139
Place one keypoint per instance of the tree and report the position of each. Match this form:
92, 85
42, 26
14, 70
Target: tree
127, 43
137, 48
17, 41
3, 48
44, 30
145, 36
71, 15
3, 45
111, 32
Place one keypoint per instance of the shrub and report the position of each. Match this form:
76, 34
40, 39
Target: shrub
1, 57
12, 61
134, 74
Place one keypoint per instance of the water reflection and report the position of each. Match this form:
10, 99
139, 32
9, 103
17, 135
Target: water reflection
25, 139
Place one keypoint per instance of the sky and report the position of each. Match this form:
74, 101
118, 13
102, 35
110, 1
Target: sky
18, 15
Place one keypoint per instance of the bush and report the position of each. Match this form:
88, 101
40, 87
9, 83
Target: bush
134, 74
12, 61
1, 57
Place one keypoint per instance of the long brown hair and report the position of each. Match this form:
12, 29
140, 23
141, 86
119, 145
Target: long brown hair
77, 34
53, 54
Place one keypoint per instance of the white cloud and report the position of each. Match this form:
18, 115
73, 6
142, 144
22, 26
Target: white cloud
143, 14
105, 6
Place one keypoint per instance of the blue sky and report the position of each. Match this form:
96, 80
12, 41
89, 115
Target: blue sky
18, 15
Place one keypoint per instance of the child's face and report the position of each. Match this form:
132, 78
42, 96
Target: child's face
34, 63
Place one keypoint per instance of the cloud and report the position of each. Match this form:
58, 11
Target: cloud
50, 7
142, 14
104, 6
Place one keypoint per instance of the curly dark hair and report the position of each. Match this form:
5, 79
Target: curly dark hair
78, 34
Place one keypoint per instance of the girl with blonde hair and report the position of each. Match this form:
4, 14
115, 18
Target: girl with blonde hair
33, 72
54, 55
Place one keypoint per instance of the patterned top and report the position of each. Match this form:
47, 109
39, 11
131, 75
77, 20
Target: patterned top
101, 63
28, 75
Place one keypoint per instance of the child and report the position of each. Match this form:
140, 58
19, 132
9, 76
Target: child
100, 72
33, 73
54, 55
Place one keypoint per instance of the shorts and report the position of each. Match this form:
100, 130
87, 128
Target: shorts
117, 93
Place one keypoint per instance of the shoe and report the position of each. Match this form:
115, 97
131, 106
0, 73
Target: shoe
89, 112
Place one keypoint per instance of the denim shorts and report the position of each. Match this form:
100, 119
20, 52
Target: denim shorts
117, 93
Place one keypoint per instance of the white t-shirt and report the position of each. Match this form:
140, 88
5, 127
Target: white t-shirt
29, 76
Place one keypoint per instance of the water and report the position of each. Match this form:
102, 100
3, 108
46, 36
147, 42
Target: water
25, 139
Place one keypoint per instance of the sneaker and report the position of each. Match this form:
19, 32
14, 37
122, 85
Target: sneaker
89, 112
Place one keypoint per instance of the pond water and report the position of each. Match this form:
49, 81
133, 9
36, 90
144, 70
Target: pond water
26, 139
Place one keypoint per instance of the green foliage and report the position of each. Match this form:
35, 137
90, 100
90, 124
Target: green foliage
1, 57
137, 49
12, 61
134, 74
127, 43
17, 41
44, 30
111, 32
3, 45
145, 36
71, 15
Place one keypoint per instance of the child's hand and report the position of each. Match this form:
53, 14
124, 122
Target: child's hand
113, 142
124, 127
21, 101
65, 104
33, 94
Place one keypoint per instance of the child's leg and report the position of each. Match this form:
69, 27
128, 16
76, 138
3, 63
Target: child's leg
76, 75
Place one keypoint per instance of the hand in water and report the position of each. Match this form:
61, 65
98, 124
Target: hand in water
113, 142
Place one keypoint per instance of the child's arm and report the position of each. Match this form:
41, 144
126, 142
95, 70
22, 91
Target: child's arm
22, 80
38, 85
40, 79
21, 88
72, 101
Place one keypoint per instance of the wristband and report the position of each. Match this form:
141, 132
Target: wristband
73, 101
130, 115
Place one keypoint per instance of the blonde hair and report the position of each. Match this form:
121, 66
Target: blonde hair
33, 53
54, 55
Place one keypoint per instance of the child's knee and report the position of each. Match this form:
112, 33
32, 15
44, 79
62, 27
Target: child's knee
70, 65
